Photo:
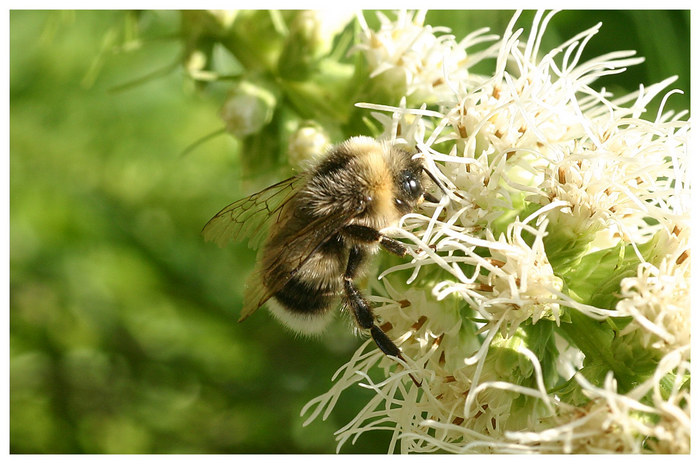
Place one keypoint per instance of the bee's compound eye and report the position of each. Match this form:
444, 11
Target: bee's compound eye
412, 186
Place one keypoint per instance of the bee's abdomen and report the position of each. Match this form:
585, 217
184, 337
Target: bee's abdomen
314, 287
306, 301
304, 306
299, 296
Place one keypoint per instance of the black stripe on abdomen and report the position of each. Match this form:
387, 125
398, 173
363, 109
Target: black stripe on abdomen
299, 297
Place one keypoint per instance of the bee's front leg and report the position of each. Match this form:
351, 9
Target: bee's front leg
362, 309
366, 234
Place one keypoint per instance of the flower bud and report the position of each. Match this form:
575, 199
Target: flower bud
248, 108
309, 141
310, 38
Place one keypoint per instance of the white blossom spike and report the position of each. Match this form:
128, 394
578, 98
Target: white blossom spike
557, 258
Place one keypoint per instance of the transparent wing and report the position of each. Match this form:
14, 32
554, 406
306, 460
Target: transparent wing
292, 254
247, 217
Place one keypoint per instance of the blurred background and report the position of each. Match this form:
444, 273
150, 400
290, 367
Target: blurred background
123, 332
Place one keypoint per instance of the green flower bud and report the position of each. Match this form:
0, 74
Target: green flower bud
310, 38
569, 236
256, 38
325, 95
248, 108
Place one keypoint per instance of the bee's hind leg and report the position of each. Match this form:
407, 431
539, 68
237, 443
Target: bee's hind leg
362, 310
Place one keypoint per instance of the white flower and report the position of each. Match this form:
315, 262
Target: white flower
537, 170
613, 422
658, 298
407, 53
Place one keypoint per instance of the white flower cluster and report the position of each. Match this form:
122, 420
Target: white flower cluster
612, 422
658, 298
539, 171
405, 52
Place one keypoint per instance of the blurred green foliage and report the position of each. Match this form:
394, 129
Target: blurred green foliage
122, 321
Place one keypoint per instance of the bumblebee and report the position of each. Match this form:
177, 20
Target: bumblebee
323, 225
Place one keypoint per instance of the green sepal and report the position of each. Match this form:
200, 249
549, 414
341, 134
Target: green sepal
596, 279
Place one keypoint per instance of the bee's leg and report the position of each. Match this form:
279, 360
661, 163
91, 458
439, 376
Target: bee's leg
362, 310
369, 235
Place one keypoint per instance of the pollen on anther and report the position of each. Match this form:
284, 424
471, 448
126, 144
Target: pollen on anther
462, 130
685, 255
419, 323
484, 288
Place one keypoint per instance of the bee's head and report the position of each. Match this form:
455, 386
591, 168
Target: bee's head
374, 182
409, 179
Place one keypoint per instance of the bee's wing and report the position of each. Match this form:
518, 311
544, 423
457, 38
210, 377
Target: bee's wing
247, 217
294, 252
